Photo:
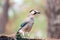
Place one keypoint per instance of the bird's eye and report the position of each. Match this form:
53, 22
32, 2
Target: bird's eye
35, 12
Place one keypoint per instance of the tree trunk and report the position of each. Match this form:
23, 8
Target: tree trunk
4, 16
53, 14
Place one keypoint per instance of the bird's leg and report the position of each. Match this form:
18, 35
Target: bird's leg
26, 34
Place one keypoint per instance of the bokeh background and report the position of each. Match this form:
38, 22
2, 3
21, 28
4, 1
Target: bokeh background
18, 11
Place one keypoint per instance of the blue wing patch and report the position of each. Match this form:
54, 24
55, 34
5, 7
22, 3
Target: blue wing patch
23, 24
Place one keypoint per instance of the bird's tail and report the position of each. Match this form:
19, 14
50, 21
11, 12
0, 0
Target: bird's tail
18, 35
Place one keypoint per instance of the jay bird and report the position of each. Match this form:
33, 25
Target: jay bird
27, 24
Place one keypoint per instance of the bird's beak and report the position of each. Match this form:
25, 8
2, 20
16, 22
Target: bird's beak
38, 12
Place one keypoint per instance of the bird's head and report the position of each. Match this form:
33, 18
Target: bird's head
34, 12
